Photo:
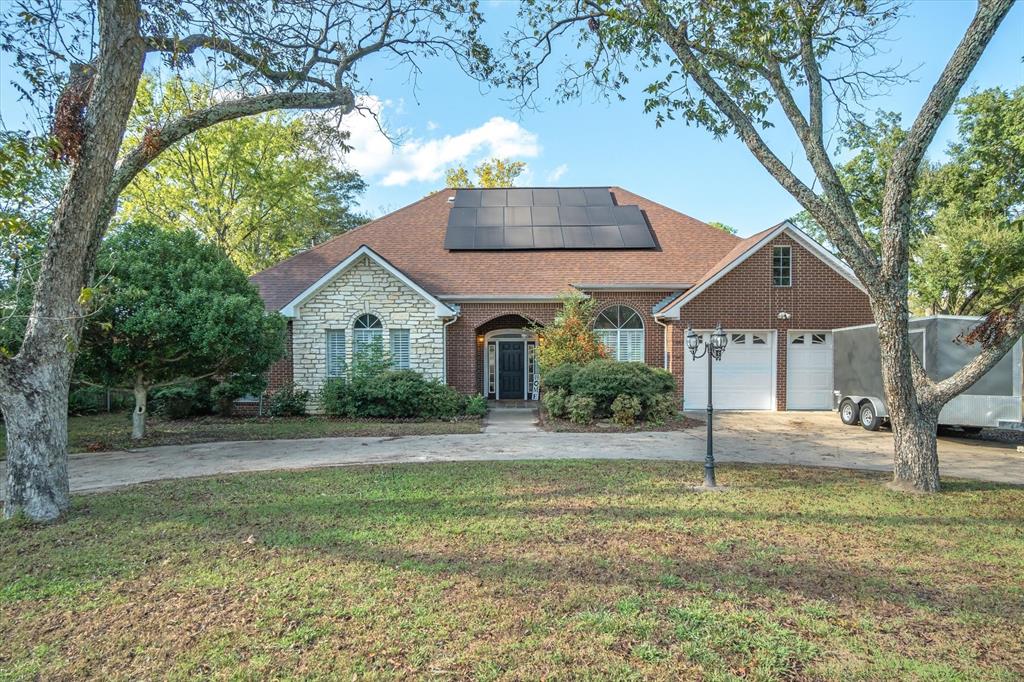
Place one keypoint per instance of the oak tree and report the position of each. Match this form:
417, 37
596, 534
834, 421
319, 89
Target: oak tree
81, 64
737, 67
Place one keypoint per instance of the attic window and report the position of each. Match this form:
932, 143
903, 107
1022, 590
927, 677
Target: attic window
782, 266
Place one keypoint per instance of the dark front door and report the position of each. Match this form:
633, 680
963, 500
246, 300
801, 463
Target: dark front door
511, 363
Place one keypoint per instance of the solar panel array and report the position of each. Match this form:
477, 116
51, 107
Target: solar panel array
544, 218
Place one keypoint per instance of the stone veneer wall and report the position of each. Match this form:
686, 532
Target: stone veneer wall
364, 288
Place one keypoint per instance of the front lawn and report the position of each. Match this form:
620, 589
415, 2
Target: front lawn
526, 570
114, 431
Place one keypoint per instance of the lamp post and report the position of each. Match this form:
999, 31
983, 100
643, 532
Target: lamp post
698, 348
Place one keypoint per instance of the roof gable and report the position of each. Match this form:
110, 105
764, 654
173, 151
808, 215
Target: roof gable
291, 308
747, 248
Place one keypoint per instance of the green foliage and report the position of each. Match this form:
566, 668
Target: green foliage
261, 187
93, 400
570, 338
604, 380
723, 227
559, 377
476, 406
171, 308
333, 397
554, 401
288, 401
492, 173
371, 361
659, 408
580, 409
395, 394
179, 402
234, 387
626, 409
966, 212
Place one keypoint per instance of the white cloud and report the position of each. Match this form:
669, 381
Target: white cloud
556, 174
423, 160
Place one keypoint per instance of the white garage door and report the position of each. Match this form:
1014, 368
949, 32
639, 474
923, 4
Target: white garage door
743, 378
809, 371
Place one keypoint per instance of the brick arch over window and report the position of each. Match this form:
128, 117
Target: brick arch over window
506, 321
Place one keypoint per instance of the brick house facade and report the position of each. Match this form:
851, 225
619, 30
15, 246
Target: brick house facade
461, 304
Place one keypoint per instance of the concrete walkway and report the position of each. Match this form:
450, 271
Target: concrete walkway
809, 439
511, 420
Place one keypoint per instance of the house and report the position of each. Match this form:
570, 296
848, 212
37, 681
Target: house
453, 285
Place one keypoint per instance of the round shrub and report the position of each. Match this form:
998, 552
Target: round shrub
625, 409
661, 408
554, 402
401, 394
604, 380
559, 378
476, 406
442, 402
289, 401
580, 409
334, 398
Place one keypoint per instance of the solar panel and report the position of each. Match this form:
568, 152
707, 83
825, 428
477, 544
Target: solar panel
544, 218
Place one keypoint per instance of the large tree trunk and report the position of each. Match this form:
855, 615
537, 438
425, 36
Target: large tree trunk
914, 423
35, 414
37, 423
139, 413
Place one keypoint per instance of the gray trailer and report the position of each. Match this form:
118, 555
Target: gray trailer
858, 396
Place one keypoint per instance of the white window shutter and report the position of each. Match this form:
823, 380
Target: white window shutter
335, 353
399, 348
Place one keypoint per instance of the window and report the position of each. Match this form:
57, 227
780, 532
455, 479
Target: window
759, 339
621, 331
782, 266
335, 353
738, 338
367, 333
817, 339
399, 348
797, 340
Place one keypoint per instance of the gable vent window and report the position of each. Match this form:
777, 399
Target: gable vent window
367, 333
335, 353
782, 266
399, 348
621, 331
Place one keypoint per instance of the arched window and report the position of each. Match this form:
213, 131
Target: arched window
367, 333
621, 330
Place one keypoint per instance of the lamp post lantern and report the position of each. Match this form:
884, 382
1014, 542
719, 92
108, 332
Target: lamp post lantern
712, 348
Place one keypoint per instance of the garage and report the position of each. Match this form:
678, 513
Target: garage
809, 371
744, 379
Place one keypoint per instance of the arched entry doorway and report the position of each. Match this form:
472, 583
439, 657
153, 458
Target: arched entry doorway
509, 359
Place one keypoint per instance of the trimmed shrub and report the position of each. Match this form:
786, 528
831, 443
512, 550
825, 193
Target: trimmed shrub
560, 378
625, 409
580, 409
401, 394
476, 406
604, 380
554, 402
175, 402
289, 401
443, 402
334, 398
660, 408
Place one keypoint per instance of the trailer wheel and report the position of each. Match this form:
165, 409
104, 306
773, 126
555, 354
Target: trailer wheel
868, 418
849, 412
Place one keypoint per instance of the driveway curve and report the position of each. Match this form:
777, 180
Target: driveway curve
804, 439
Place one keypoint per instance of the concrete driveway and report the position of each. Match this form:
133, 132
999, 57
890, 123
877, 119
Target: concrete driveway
799, 438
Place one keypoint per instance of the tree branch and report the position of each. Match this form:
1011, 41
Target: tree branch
152, 145
944, 391
899, 181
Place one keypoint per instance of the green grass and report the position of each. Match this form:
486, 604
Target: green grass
113, 431
574, 569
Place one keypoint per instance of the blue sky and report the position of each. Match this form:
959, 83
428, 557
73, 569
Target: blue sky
448, 119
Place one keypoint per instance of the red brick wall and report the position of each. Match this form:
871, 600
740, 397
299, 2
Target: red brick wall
465, 343
819, 298
280, 373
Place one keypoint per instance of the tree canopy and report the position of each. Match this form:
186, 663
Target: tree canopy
170, 309
262, 188
491, 173
967, 232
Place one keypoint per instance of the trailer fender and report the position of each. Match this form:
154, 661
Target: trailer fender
877, 403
